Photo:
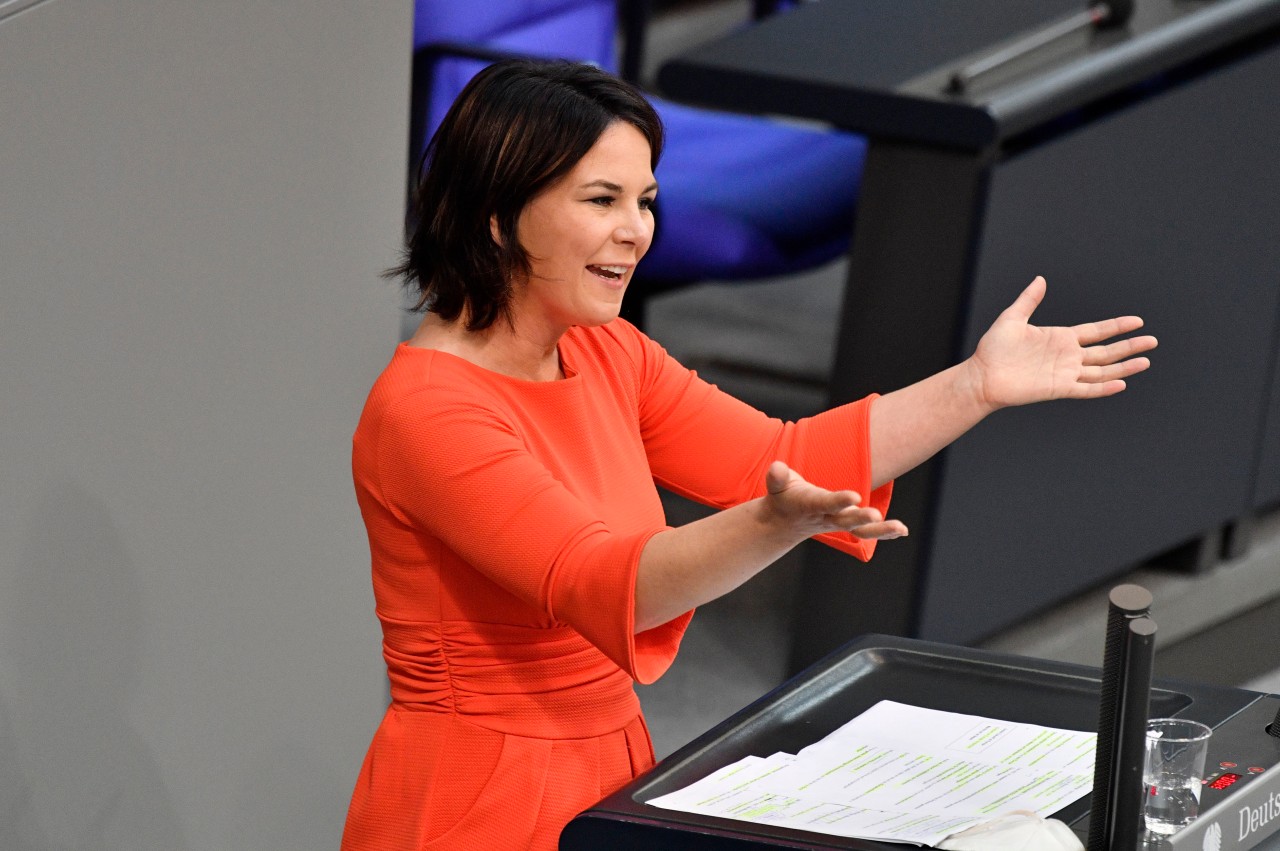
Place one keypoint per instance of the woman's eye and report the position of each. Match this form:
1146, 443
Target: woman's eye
646, 203
603, 200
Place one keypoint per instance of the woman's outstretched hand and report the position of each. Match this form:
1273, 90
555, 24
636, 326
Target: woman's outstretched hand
806, 509
1017, 363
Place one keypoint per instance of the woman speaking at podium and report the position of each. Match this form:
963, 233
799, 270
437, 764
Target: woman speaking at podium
506, 460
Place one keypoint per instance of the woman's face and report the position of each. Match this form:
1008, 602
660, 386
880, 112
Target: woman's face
585, 234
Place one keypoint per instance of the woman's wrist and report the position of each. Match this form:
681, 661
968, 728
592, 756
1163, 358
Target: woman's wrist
778, 531
971, 389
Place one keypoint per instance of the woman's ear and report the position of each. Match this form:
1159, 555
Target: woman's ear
494, 231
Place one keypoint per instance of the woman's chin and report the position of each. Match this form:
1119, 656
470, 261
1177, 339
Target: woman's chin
606, 310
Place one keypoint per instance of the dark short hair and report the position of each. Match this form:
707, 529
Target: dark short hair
515, 129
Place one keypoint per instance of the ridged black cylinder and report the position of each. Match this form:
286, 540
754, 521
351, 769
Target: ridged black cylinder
1127, 798
1126, 602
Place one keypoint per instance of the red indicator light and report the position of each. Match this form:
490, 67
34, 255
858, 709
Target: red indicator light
1224, 781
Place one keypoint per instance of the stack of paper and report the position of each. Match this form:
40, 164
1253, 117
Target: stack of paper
904, 774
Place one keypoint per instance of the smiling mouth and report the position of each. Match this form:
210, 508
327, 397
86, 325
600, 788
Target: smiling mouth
609, 273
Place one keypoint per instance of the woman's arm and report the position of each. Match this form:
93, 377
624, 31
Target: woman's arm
1016, 363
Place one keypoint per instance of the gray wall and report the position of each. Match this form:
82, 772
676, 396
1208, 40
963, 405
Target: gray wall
195, 201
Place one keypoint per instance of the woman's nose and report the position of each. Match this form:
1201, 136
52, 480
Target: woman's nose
636, 226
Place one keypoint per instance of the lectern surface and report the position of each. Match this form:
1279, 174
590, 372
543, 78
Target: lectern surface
842, 686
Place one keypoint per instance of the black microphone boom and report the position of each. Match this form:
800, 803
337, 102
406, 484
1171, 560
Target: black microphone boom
1111, 13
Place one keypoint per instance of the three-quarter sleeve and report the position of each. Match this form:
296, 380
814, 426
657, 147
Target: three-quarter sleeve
710, 447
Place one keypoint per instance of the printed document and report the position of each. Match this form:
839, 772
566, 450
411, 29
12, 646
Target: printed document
903, 774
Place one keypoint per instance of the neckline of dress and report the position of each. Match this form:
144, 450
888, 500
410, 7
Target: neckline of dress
567, 366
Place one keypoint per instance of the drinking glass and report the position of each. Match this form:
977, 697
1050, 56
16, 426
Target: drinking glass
1174, 772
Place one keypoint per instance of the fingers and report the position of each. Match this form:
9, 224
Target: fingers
1086, 333
1092, 377
1112, 371
867, 523
1027, 301
837, 503
1097, 391
883, 531
830, 510
1118, 351
1105, 367
778, 477
1093, 332
1096, 382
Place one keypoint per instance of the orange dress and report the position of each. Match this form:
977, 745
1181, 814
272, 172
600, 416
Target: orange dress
505, 522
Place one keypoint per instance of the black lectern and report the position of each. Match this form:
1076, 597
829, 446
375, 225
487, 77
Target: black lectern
934, 676
1135, 168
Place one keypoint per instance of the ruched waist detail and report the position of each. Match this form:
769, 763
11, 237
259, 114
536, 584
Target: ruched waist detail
520, 680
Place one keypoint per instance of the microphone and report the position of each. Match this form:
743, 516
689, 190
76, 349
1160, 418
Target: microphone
1103, 15
1115, 809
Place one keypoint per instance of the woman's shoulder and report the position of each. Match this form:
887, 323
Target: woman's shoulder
421, 379
414, 368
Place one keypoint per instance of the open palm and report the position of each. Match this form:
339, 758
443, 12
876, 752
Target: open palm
813, 510
1019, 363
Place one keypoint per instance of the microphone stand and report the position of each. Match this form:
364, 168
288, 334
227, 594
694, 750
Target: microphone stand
1106, 14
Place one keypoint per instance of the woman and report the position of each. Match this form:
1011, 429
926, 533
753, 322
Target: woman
506, 463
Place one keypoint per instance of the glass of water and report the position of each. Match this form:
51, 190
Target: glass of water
1174, 772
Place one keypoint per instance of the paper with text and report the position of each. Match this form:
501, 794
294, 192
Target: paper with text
904, 774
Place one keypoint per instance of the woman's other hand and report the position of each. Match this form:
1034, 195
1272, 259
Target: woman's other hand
804, 509
1017, 363
685, 567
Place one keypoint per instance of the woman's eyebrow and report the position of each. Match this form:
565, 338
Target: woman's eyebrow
613, 187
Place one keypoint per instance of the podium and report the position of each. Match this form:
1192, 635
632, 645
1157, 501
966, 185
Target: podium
1136, 169
935, 676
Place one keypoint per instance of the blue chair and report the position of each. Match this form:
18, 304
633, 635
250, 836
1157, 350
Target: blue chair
741, 197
